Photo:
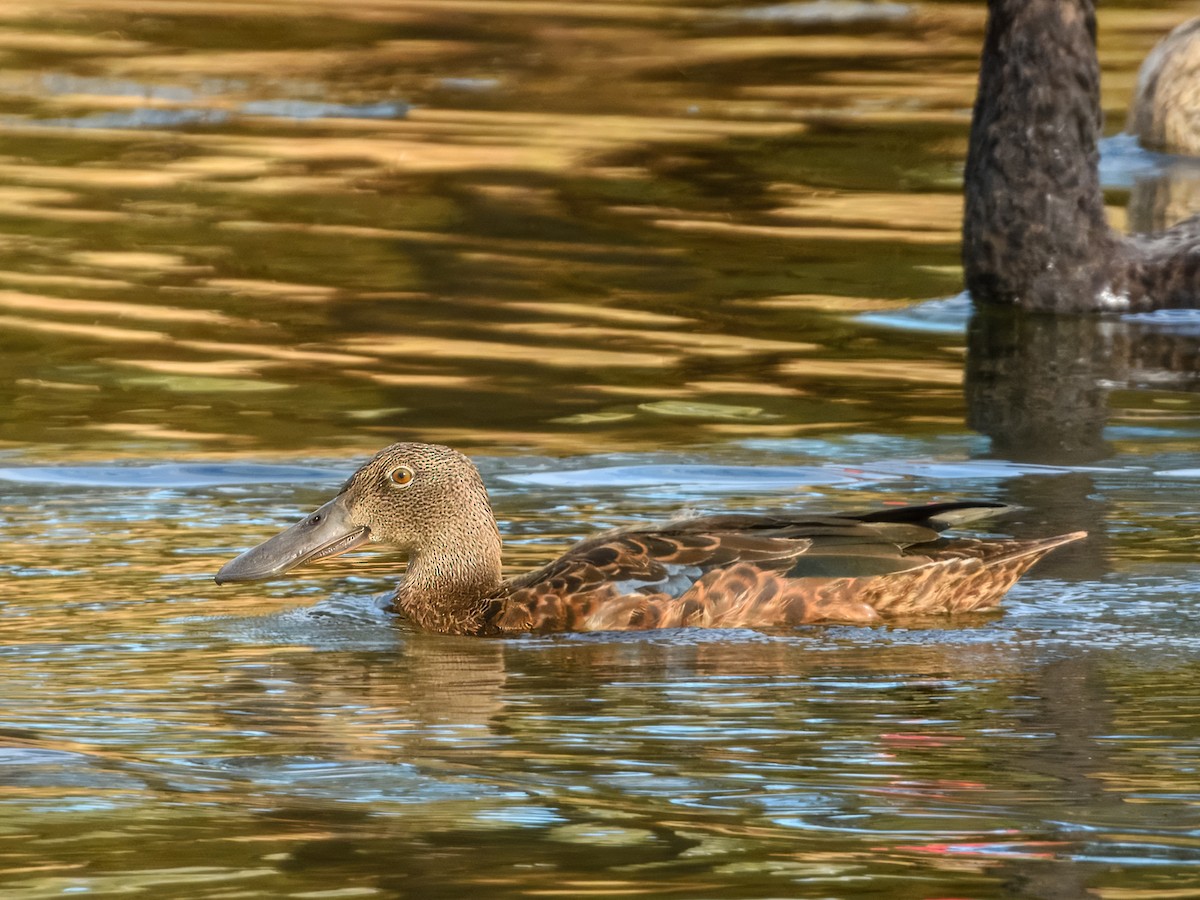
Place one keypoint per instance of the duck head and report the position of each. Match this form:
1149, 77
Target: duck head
424, 499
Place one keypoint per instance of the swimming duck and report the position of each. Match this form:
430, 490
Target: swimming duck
1034, 229
720, 571
1165, 112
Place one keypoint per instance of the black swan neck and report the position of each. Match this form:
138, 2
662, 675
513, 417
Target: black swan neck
1034, 228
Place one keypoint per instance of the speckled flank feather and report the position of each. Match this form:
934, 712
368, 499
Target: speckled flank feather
963, 576
721, 571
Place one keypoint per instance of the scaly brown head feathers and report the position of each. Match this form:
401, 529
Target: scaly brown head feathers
428, 501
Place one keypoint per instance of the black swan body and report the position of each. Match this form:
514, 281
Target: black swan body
1035, 233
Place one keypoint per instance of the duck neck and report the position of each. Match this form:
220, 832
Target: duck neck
451, 578
1034, 229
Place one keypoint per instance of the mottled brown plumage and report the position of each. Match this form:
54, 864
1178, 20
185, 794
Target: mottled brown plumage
721, 571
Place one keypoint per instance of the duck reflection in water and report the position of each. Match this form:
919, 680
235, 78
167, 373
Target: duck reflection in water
722, 571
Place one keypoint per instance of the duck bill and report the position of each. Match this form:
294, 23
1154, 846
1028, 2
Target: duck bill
323, 534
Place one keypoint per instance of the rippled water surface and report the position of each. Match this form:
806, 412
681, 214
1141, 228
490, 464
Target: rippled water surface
634, 257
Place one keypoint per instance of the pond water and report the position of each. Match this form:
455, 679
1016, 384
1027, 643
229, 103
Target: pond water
633, 257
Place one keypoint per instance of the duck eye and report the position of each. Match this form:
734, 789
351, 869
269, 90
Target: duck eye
401, 476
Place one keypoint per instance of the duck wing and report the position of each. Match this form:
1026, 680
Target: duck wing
732, 570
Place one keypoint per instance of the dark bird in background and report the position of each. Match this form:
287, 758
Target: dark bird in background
1035, 233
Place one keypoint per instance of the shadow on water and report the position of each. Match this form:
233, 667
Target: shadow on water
1039, 386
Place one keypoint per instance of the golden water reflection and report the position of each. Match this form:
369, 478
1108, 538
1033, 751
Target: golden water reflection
611, 202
